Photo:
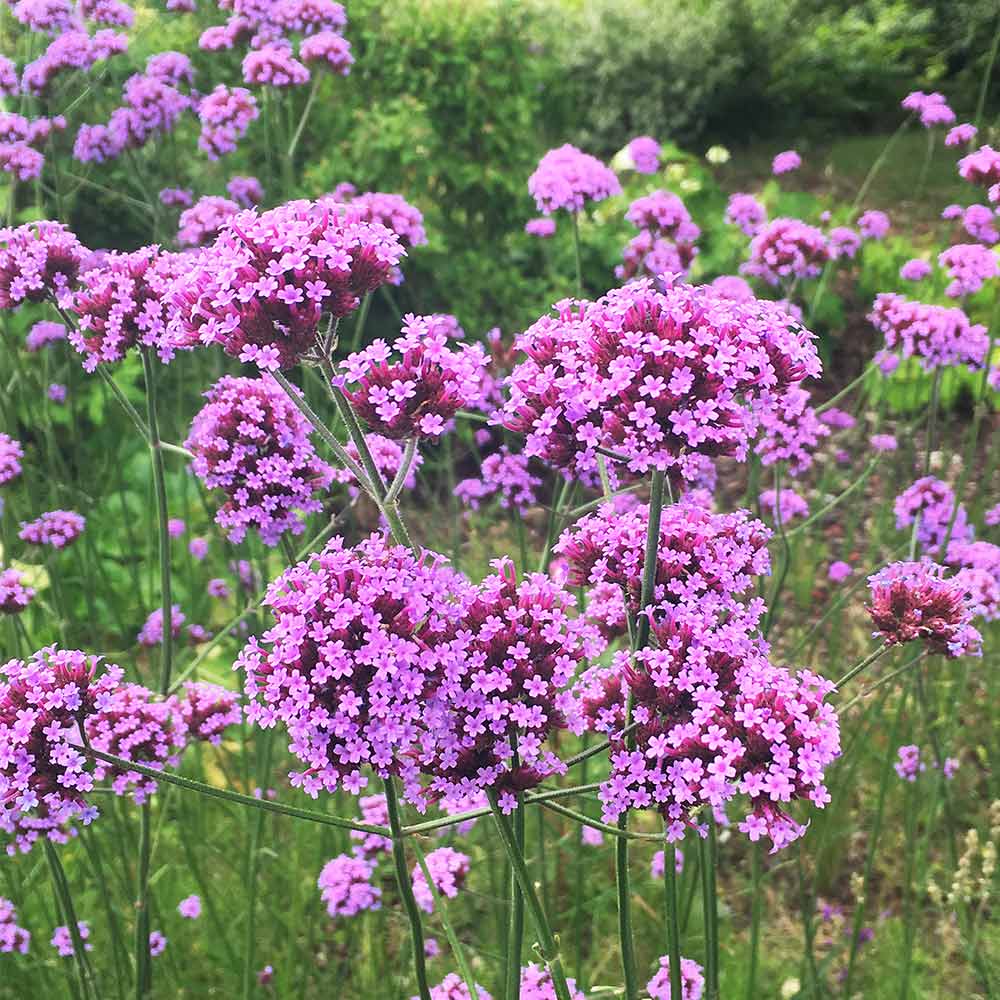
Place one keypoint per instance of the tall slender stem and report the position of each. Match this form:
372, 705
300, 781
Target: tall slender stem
708, 848
576, 249
143, 962
61, 886
673, 917
755, 910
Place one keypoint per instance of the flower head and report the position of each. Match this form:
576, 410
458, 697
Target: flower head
968, 265
447, 868
692, 980
190, 907
37, 260
746, 212
644, 151
786, 249
787, 508
12, 937
346, 887
933, 502
981, 167
226, 114
14, 595
204, 220
568, 178
207, 710
57, 528
11, 454
786, 162
915, 270
874, 225
329, 49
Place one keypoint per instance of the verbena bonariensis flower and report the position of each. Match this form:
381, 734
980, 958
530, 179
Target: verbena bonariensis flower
536, 982
453, 987
57, 392
14, 595
652, 374
791, 431
883, 442
981, 167
978, 571
486, 726
375, 812
190, 907
701, 555
504, 475
980, 223
12, 937
11, 454
568, 178
644, 152
203, 221
938, 335
21, 161
226, 114
50, 17
909, 764
110, 12
42, 334
786, 162
329, 49
790, 506
786, 249
839, 571
392, 211
968, 265
731, 286
915, 270
37, 260
843, 242
57, 528
43, 776
837, 419
933, 502
246, 191
151, 633
309, 16
692, 981
745, 211
912, 601
715, 719
100, 143
542, 227
346, 887
649, 256
413, 388
388, 457
270, 277
151, 107
121, 304
176, 197
961, 135
207, 710
157, 943
139, 726
9, 84
447, 868
250, 441
932, 108
362, 638
62, 939
275, 66
874, 225
663, 214
174, 68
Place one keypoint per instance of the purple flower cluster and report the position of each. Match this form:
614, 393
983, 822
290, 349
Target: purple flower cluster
981, 167
151, 633
939, 336
933, 502
912, 601
328, 48
375, 812
12, 937
909, 764
786, 162
200, 224
176, 197
14, 595
274, 66
225, 114
542, 227
915, 270
207, 710
56, 528
978, 571
392, 211
346, 887
453, 987
505, 475
980, 223
250, 441
746, 212
42, 334
644, 152
536, 984
270, 277
843, 242
786, 249
651, 375
839, 571
62, 939
961, 135
388, 457
448, 869
787, 508
11, 454
692, 980
650, 256
190, 907
874, 225
38, 260
567, 178
968, 265
791, 431
932, 108
245, 191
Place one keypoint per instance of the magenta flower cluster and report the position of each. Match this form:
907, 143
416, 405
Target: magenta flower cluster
54, 528
38, 260
746, 212
12, 937
506, 476
692, 980
969, 265
567, 178
11, 454
791, 431
447, 868
346, 887
786, 250
933, 503
14, 595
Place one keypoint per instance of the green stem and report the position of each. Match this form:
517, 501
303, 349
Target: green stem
61, 886
673, 917
143, 960
755, 911
576, 248
866, 662
250, 874
707, 848
985, 85
293, 145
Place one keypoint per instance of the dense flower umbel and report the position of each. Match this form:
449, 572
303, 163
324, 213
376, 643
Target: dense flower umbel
745, 211
14, 595
785, 250
11, 454
980, 223
874, 225
328, 48
270, 277
251, 442
122, 303
504, 475
207, 710
151, 633
716, 719
913, 601
790, 505
650, 256
415, 387
843, 242
12, 937
939, 336
453, 987
346, 887
448, 869
652, 375
43, 776
57, 528
37, 260
786, 162
981, 167
362, 638
137, 725
692, 981
204, 220
374, 811
644, 152
933, 502
536, 984
487, 724
246, 191
968, 265
791, 431
274, 66
388, 457
664, 214
392, 211
568, 178
978, 565
226, 114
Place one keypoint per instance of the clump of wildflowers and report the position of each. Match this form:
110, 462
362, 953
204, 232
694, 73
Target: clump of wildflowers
346, 887
746, 212
505, 475
933, 502
968, 265
981, 167
785, 250
251, 442
961, 135
151, 633
912, 601
11, 454
55, 528
787, 508
274, 66
692, 980
14, 595
38, 260
448, 869
932, 108
937, 335
567, 178
207, 710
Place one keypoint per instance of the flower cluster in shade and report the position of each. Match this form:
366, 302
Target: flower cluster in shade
252, 443
54, 528
447, 868
843, 242
746, 212
916, 602
911, 764
270, 277
200, 224
939, 336
225, 114
42, 334
980, 223
933, 503
245, 191
791, 431
346, 887
506, 476
567, 178
786, 162
651, 375
11, 453
786, 250
981, 167
874, 225
207, 710
12, 937
388, 456
666, 240
692, 980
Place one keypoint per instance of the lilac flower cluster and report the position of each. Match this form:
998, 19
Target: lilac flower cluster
980, 223
787, 508
346, 887
250, 441
746, 212
915, 270
666, 242
207, 710
246, 191
11, 454
536, 984
961, 135
62, 939
37, 260
328, 48
270, 278
388, 457
692, 980
542, 227
932, 108
786, 162
225, 114
151, 633
650, 256
12, 937
843, 242
644, 152
978, 571
200, 224
786, 249
505, 475
375, 812
933, 502
913, 601
448, 869
392, 211
190, 907
274, 66
650, 374
909, 764
968, 265
939, 336
981, 167
55, 528
453, 987
567, 178
14, 595
874, 225
43, 776
42, 334
791, 431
